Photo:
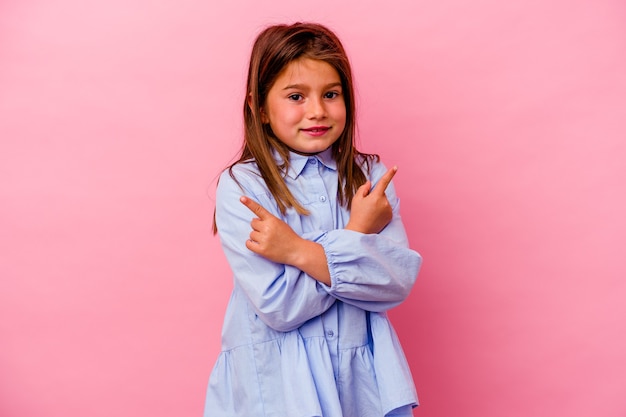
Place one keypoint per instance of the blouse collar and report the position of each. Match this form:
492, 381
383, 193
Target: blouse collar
297, 162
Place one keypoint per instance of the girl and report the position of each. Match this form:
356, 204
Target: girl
318, 253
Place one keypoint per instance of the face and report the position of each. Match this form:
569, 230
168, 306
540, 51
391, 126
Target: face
305, 107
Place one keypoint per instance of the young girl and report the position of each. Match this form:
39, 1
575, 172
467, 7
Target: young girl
312, 231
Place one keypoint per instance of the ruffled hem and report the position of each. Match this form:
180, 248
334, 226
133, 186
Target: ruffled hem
391, 367
244, 381
294, 377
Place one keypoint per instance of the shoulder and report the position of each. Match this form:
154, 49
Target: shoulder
372, 166
244, 168
242, 179
242, 175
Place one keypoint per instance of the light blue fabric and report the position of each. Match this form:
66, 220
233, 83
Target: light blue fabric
291, 346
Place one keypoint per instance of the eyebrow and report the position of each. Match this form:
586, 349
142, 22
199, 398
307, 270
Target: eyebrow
303, 86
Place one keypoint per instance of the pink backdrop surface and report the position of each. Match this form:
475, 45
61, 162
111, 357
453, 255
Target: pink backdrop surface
507, 121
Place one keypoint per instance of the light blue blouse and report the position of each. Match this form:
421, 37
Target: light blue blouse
291, 346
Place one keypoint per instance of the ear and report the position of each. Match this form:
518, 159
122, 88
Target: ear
264, 118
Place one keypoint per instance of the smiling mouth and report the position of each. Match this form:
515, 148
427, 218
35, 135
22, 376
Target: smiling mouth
317, 130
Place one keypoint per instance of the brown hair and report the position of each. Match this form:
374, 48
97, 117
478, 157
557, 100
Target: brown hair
274, 48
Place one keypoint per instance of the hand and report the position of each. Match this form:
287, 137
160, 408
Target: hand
271, 237
370, 211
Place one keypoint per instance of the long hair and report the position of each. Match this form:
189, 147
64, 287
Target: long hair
275, 48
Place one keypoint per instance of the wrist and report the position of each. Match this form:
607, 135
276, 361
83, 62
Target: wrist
356, 228
309, 257
297, 254
351, 226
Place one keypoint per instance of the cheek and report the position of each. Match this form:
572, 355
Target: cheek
286, 115
339, 113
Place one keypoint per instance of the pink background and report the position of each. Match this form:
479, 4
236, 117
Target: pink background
507, 120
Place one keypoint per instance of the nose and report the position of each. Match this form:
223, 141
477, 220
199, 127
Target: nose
316, 109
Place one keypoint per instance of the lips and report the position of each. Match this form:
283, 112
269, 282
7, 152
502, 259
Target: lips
316, 130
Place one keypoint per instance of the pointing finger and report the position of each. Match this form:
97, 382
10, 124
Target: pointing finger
364, 189
385, 180
255, 207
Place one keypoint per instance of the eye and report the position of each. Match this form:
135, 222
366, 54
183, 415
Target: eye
331, 94
295, 97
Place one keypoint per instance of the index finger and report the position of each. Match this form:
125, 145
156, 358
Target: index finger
384, 181
255, 207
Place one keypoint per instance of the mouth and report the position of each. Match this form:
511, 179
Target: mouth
316, 130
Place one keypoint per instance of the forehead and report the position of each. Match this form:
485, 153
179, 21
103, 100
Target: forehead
307, 71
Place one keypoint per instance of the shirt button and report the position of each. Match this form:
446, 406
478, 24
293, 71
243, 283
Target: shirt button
312, 161
330, 333
322, 198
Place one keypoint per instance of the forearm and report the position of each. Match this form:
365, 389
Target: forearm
283, 296
310, 258
372, 271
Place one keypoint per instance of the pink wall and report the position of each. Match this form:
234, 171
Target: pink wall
508, 123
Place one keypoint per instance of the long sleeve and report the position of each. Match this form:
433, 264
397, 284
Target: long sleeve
372, 271
283, 296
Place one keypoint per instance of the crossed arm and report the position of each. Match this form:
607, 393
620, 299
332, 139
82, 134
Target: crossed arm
290, 279
273, 239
